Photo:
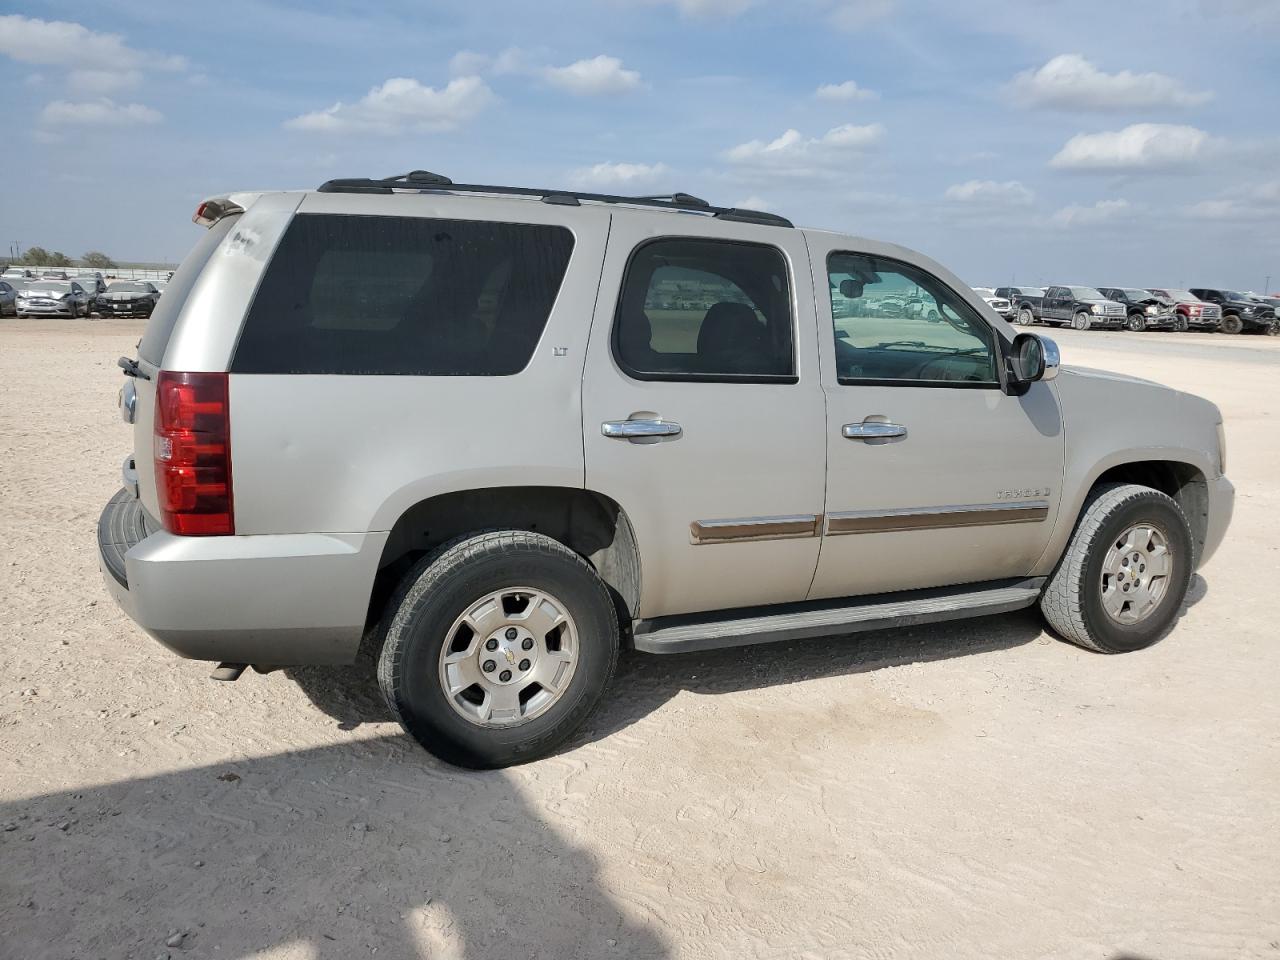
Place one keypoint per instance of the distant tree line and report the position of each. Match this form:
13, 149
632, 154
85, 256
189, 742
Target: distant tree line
40, 257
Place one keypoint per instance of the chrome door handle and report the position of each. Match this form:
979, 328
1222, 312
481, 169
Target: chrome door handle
873, 430
638, 429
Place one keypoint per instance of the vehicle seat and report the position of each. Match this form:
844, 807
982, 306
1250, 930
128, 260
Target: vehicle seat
732, 340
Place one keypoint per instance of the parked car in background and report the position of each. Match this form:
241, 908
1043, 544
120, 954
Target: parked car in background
506, 567
128, 298
13, 274
1239, 312
1081, 308
1189, 311
1001, 305
53, 298
8, 299
1145, 309
54, 275
92, 282
1016, 296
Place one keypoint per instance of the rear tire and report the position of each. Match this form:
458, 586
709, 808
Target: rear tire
1115, 590
431, 649
1232, 324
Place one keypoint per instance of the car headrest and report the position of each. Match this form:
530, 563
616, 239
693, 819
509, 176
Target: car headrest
729, 330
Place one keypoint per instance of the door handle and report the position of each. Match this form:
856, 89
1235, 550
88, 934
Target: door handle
873, 430
640, 429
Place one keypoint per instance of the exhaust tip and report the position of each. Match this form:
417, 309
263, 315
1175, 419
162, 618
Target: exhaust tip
228, 671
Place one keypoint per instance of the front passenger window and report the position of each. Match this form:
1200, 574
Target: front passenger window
897, 324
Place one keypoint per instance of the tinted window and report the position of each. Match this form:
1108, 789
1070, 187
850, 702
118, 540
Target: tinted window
896, 323
705, 310
403, 295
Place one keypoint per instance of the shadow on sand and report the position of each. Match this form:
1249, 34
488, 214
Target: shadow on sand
351, 696
333, 852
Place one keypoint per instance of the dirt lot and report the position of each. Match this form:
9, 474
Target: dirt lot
970, 791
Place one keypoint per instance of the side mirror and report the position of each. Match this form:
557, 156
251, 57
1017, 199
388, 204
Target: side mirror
1031, 358
851, 289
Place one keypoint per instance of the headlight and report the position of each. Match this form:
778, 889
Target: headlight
1222, 449
1152, 310
1096, 308
1247, 310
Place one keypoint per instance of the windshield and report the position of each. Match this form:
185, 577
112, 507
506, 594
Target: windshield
1234, 295
129, 288
1134, 294
1086, 293
50, 286
1181, 295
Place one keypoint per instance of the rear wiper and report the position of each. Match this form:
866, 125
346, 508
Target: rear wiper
131, 368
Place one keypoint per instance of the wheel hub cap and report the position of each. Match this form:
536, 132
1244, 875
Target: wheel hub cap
509, 657
1135, 573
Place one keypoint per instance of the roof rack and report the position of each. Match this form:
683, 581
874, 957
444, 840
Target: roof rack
425, 180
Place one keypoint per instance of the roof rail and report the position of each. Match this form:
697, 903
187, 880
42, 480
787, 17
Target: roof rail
426, 181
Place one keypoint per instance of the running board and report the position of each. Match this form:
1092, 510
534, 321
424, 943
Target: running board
796, 621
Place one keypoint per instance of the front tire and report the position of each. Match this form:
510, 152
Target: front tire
1081, 321
1135, 323
1125, 573
1025, 317
499, 647
1232, 324
1181, 324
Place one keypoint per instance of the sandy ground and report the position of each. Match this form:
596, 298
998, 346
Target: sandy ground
970, 791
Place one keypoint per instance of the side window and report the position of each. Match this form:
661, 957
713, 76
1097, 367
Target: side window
403, 295
694, 309
897, 324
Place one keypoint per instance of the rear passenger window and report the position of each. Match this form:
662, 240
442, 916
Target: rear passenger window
404, 295
705, 310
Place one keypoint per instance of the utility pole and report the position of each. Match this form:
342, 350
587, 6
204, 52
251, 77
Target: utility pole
1266, 287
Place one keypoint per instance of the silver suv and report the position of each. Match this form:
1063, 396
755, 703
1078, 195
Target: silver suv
505, 432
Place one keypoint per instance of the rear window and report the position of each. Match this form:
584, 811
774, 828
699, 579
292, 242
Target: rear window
403, 295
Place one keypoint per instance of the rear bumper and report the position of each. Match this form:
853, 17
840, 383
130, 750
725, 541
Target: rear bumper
1222, 498
277, 600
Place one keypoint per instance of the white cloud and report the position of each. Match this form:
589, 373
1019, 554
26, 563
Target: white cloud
604, 176
796, 155
1076, 215
1070, 82
855, 14
103, 81
990, 193
753, 202
60, 43
706, 9
1257, 202
594, 77
98, 113
1141, 146
1260, 12
849, 90
469, 63
402, 104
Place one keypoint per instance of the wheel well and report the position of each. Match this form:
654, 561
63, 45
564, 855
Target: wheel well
586, 522
1181, 481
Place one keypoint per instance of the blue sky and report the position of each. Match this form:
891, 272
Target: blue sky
1042, 140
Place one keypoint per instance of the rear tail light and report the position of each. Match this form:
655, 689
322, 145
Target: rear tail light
193, 454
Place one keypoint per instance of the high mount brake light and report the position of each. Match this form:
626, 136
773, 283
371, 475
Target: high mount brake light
193, 454
211, 211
